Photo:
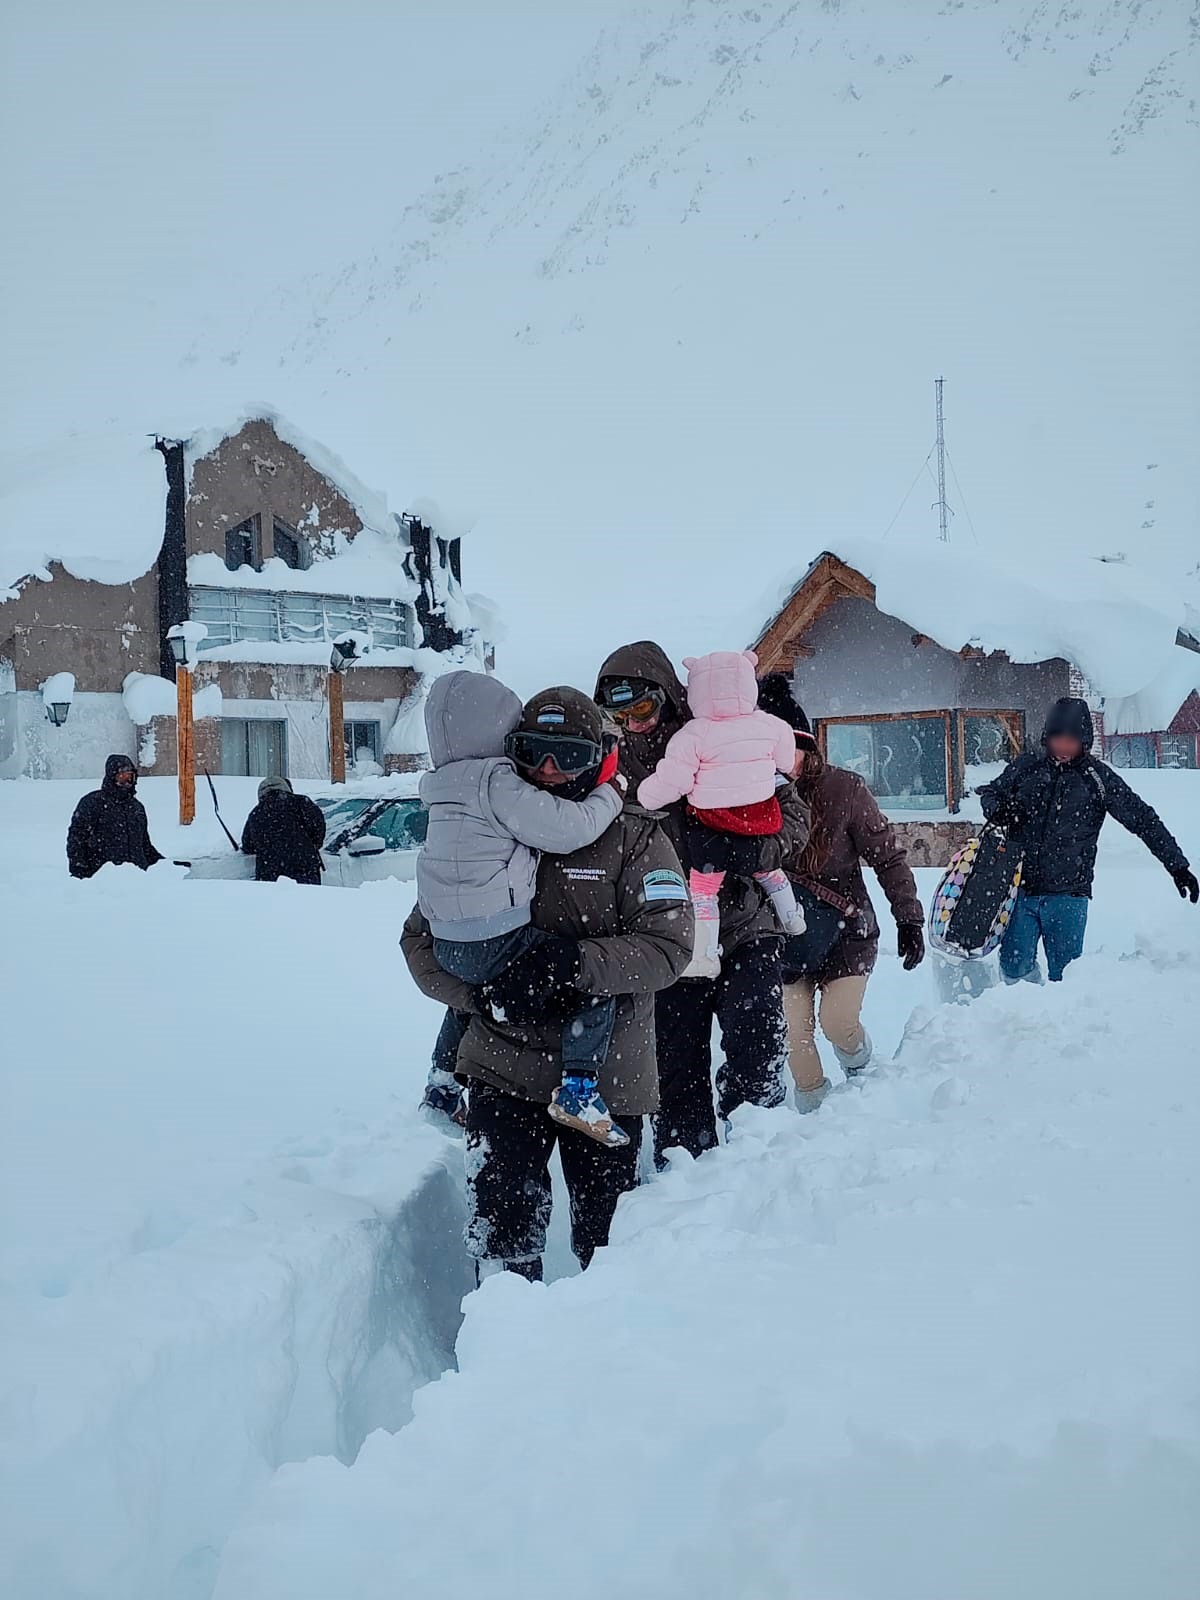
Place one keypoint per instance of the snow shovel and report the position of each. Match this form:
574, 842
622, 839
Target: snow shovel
212, 789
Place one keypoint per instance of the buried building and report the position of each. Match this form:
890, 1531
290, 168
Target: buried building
266, 540
926, 669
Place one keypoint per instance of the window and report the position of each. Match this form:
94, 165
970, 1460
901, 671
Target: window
242, 545
988, 741
904, 760
289, 546
1177, 750
232, 615
1142, 750
362, 742
253, 747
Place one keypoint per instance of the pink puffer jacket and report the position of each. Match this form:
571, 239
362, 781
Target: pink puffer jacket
729, 753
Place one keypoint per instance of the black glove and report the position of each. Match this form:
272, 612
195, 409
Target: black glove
910, 942
538, 986
1185, 882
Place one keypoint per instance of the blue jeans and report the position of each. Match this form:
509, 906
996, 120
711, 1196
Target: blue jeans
1058, 921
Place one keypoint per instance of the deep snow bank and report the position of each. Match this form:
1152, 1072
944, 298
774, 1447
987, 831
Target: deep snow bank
935, 1341
228, 1240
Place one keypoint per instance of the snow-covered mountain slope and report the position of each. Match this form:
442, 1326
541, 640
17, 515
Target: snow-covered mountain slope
674, 328
681, 326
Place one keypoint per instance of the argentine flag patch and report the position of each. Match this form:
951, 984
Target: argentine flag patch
663, 884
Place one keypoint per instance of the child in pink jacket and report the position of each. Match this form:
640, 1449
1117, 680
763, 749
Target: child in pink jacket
725, 761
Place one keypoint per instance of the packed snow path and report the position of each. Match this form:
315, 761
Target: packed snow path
937, 1341
934, 1341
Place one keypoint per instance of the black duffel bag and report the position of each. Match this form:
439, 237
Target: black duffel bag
827, 915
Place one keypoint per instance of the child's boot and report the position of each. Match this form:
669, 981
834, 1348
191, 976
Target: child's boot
783, 898
705, 888
577, 1103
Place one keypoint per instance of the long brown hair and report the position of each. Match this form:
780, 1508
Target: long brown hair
816, 852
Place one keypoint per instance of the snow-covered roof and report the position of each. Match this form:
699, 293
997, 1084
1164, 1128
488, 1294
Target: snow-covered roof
92, 501
1120, 626
95, 501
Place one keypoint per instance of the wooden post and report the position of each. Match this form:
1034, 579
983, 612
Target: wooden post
185, 750
337, 731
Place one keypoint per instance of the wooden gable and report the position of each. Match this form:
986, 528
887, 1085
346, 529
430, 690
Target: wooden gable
828, 580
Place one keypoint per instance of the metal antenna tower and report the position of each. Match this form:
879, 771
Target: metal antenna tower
943, 509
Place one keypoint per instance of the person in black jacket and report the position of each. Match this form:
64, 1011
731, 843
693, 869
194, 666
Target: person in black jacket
1053, 805
109, 825
284, 833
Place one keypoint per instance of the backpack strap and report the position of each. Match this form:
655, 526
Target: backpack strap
1093, 772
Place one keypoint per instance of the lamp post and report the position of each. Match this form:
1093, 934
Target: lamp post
183, 639
347, 649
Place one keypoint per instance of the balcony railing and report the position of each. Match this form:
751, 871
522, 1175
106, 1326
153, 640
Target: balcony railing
234, 616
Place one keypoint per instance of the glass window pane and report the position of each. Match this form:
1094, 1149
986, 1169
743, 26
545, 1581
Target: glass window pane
233, 747
903, 760
301, 617
265, 749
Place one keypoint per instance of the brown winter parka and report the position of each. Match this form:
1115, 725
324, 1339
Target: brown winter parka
625, 899
851, 829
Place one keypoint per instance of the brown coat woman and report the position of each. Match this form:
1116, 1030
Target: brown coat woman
848, 829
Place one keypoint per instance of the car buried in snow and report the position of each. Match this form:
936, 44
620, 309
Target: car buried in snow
366, 838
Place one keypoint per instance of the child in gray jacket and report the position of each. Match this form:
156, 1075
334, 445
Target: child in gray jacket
477, 871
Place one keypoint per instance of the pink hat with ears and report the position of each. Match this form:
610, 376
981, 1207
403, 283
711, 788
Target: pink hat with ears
722, 684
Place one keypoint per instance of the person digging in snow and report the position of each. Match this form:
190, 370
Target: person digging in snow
725, 763
475, 875
1053, 805
614, 920
109, 825
639, 687
836, 955
284, 833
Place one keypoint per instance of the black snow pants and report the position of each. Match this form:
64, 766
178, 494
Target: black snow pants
747, 1002
509, 1144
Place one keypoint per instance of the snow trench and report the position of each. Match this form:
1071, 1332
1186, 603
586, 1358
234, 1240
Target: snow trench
293, 1335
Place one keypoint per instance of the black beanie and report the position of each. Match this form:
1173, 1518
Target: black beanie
775, 695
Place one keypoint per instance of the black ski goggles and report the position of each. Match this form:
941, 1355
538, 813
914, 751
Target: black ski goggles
569, 755
627, 704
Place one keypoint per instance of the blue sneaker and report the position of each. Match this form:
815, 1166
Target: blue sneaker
577, 1103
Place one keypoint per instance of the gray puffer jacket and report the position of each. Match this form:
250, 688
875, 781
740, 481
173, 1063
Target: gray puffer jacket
476, 872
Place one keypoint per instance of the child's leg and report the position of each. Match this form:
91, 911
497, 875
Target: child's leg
577, 1102
587, 1037
783, 897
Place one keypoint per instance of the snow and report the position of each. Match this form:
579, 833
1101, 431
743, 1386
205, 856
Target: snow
1118, 625
146, 696
925, 1311
448, 519
370, 565
59, 689
667, 304
90, 499
237, 1244
407, 735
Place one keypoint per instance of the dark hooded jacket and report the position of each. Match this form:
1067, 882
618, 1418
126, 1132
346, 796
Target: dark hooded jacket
109, 826
284, 833
746, 913
1055, 810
